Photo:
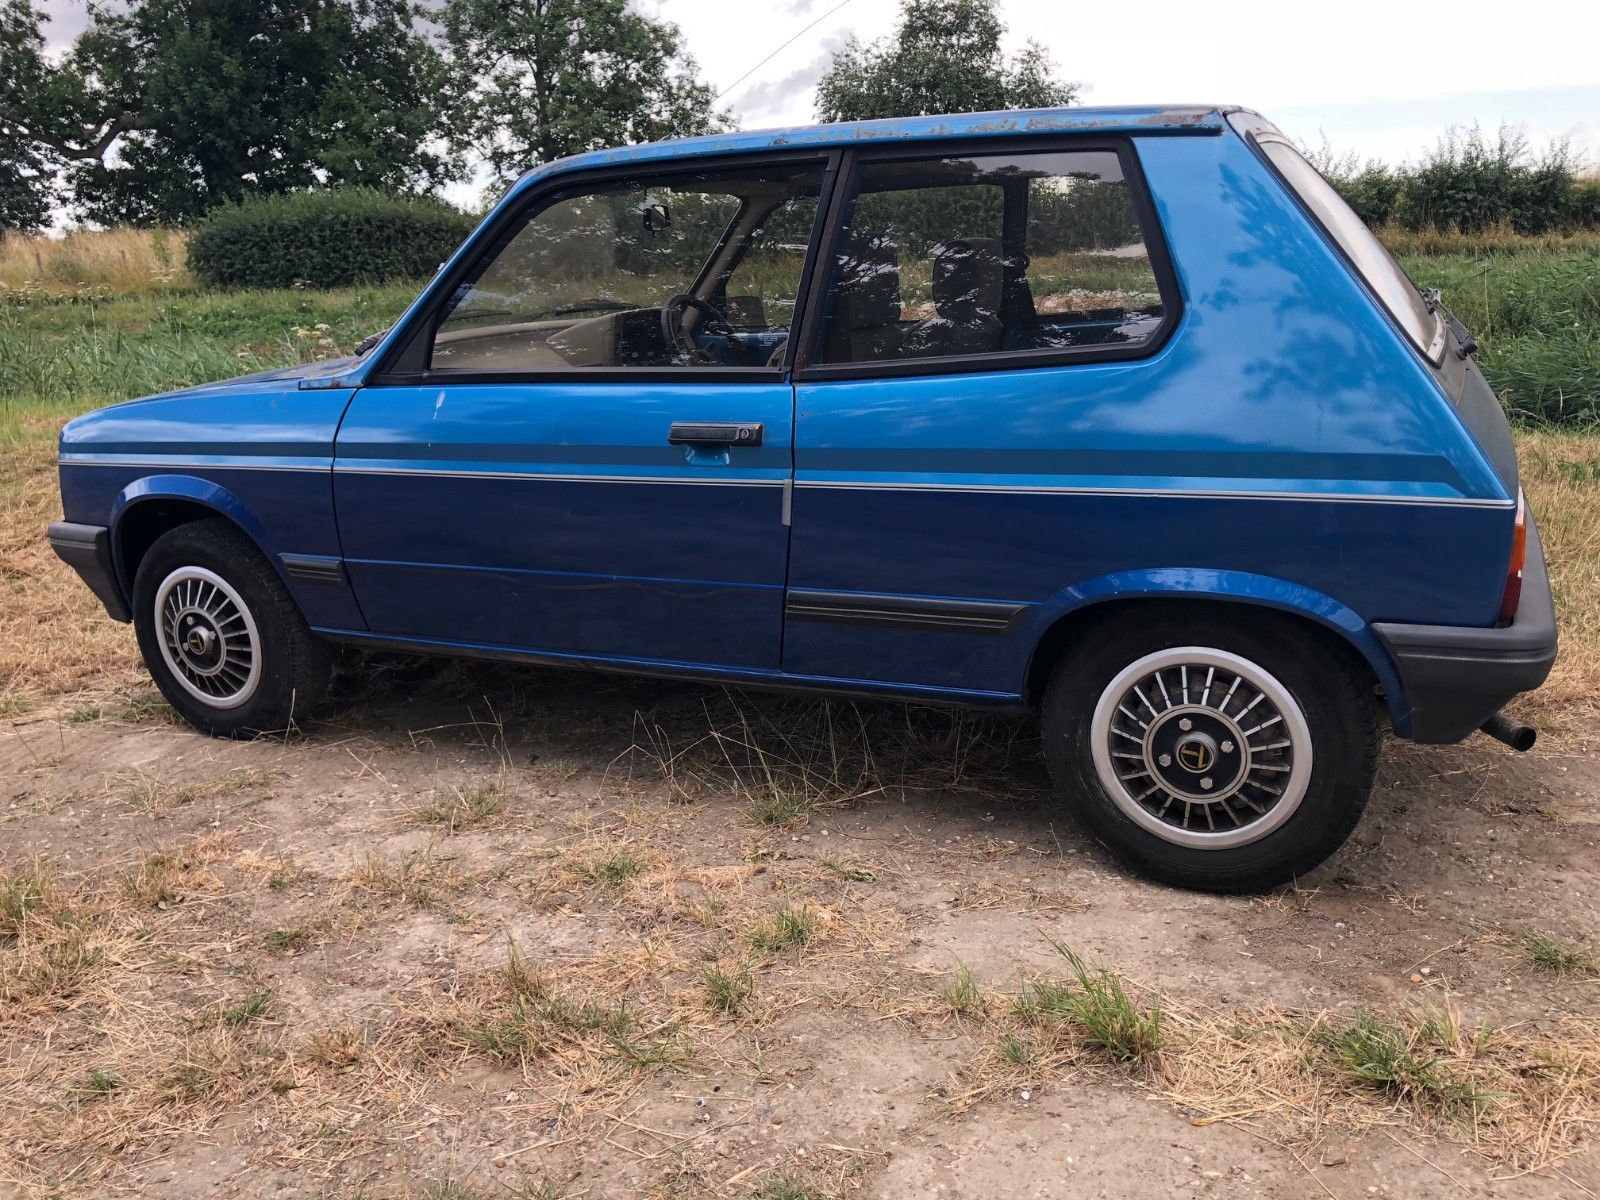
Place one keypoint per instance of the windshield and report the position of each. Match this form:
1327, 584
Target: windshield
1365, 252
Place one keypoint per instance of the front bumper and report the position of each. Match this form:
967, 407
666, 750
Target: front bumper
87, 550
1457, 677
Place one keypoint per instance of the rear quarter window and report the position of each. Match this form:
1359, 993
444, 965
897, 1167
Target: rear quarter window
1366, 253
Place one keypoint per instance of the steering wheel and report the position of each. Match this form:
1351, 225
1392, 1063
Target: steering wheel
678, 338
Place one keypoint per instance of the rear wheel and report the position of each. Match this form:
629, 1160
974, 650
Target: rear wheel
1209, 754
222, 637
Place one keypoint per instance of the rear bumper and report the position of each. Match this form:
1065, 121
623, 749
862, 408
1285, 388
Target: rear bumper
1457, 677
87, 550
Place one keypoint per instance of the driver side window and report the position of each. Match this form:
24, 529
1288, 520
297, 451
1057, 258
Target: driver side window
638, 273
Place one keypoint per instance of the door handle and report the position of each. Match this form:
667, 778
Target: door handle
734, 433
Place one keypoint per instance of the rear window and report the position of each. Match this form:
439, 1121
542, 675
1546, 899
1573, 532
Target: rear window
1365, 252
987, 255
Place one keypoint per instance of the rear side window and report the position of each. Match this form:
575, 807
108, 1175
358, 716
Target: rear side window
986, 255
1365, 252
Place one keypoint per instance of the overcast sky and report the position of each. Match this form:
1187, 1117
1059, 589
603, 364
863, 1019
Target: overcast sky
1380, 78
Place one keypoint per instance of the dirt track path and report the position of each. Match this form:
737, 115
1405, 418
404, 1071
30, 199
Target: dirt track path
843, 1069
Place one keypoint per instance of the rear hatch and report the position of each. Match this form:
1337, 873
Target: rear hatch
1480, 411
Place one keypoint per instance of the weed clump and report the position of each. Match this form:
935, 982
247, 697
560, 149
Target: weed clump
458, 808
789, 927
1099, 1008
1551, 956
1383, 1057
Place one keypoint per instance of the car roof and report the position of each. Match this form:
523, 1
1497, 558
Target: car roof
1148, 119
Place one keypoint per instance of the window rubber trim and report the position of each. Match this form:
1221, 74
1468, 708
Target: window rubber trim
813, 329
403, 365
1254, 138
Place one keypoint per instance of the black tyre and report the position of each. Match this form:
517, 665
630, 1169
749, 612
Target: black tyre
221, 635
1227, 755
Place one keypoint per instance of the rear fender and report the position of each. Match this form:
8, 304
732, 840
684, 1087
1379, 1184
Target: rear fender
1238, 587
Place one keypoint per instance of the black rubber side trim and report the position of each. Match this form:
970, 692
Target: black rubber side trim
1457, 677
903, 612
314, 568
87, 550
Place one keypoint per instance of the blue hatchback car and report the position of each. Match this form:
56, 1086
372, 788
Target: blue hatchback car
1119, 414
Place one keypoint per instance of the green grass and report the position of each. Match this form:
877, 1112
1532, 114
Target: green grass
59, 357
961, 992
1536, 311
251, 1008
463, 807
1383, 1057
1551, 956
727, 989
532, 1025
787, 1187
1099, 1007
1537, 319
25, 893
789, 927
96, 1086
288, 938
608, 869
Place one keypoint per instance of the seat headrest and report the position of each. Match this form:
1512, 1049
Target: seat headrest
967, 280
869, 284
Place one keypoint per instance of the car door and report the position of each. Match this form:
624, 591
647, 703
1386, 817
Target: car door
975, 373
587, 456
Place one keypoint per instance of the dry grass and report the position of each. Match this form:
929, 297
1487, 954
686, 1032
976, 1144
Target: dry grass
1561, 476
785, 760
1499, 239
55, 638
458, 806
1521, 1098
115, 260
165, 878
149, 794
149, 1045
415, 876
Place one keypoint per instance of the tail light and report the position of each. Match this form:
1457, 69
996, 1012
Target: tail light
1512, 596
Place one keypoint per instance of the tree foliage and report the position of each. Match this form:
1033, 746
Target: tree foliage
944, 57
209, 100
220, 100
25, 164
558, 77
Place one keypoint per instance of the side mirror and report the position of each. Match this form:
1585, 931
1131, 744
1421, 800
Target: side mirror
656, 215
747, 312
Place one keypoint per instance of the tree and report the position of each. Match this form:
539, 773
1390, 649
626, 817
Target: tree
25, 167
558, 77
944, 57
165, 107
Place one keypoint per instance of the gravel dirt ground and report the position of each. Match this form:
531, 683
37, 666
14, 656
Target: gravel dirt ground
487, 931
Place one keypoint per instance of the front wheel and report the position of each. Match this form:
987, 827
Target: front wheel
222, 637
1213, 755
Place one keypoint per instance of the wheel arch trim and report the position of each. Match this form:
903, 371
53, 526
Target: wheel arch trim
1225, 587
187, 489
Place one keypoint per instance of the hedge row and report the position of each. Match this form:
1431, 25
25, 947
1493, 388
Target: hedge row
325, 239
1471, 183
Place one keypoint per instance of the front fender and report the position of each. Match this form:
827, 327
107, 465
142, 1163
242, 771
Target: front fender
189, 489
1239, 587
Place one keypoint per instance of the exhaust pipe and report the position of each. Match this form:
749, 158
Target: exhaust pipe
1515, 734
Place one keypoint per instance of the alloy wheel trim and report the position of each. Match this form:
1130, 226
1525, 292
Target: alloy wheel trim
217, 608
1296, 779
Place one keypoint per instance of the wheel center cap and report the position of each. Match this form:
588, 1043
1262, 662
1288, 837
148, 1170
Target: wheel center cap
199, 640
1196, 752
